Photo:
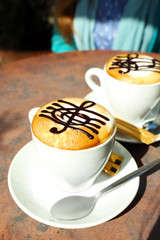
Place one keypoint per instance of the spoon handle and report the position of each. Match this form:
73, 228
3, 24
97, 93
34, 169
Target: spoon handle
129, 176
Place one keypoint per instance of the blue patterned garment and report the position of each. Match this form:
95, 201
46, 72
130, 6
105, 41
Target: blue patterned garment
109, 13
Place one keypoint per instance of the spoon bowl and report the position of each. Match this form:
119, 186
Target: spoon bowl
73, 207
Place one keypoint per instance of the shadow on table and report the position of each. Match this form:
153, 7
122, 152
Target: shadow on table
141, 190
155, 231
138, 151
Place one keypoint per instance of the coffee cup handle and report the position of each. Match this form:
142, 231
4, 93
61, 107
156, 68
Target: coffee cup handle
98, 89
32, 113
90, 81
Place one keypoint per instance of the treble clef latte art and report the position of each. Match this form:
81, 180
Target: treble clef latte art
134, 68
73, 121
73, 116
133, 62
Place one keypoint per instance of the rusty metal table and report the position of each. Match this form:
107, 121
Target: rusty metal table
33, 82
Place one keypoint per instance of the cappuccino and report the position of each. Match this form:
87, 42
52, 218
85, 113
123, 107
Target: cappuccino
134, 68
73, 139
73, 124
129, 86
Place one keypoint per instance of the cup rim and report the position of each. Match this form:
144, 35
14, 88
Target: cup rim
80, 150
133, 84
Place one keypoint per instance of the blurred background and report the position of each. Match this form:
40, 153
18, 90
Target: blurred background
25, 28
32, 27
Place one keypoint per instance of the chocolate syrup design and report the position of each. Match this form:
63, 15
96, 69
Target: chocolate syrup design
73, 116
132, 62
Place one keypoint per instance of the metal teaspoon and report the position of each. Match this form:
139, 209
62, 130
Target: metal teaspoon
76, 207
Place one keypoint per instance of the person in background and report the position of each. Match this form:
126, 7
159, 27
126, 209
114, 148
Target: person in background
131, 25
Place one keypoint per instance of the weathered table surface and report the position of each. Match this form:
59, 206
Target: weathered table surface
33, 82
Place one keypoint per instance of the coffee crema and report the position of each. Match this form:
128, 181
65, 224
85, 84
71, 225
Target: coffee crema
73, 124
134, 68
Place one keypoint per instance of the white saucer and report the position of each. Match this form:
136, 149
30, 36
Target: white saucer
93, 96
35, 193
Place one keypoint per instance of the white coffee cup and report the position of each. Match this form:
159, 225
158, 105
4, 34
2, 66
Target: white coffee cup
129, 102
72, 170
